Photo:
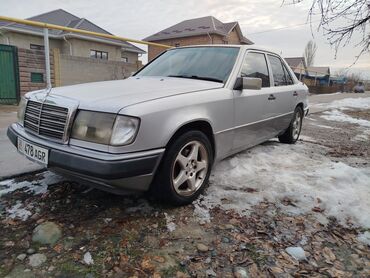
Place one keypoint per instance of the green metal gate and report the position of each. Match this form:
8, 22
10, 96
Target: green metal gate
9, 75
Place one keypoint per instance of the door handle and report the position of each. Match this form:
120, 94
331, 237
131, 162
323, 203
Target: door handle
295, 94
271, 97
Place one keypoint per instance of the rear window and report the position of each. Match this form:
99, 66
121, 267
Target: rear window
277, 71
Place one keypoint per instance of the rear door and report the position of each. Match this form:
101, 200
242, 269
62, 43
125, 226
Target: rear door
284, 94
251, 107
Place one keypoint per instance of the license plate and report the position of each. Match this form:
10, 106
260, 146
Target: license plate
33, 152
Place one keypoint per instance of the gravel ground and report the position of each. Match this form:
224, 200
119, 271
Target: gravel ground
97, 234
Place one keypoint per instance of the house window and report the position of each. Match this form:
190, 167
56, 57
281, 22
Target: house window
98, 54
125, 59
36, 47
37, 77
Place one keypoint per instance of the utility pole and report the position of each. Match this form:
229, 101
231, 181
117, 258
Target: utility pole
47, 58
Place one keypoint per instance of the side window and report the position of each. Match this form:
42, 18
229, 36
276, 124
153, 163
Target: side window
288, 77
277, 71
255, 65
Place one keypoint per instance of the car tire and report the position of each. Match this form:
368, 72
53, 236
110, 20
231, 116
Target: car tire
184, 170
291, 135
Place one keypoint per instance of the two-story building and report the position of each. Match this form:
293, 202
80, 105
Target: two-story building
203, 30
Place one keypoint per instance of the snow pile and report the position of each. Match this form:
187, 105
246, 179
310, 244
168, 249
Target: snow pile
308, 178
17, 212
338, 116
39, 184
171, 226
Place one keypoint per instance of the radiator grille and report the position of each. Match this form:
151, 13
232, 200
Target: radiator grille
46, 120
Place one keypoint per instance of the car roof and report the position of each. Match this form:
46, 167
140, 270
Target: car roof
253, 47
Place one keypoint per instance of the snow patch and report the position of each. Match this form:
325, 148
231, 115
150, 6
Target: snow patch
364, 238
171, 226
201, 212
338, 116
296, 252
300, 172
346, 103
39, 184
325, 126
306, 138
362, 137
17, 212
88, 258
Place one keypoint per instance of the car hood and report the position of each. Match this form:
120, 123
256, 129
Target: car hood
111, 96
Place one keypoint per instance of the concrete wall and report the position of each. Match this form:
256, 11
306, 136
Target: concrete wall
75, 70
78, 47
24, 40
81, 48
132, 57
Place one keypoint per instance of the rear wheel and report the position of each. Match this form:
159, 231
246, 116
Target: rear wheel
185, 169
291, 135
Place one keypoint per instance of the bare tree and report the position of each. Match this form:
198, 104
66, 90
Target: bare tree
340, 19
310, 52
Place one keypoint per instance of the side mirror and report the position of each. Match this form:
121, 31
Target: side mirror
250, 83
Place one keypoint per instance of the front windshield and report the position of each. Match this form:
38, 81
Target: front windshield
206, 63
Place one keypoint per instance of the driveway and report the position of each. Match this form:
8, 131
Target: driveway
11, 163
275, 210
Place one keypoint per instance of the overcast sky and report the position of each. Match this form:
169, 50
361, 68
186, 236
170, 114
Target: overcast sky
139, 18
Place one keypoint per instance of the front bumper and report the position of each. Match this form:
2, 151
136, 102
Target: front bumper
112, 172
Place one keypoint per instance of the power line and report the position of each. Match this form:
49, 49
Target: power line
281, 28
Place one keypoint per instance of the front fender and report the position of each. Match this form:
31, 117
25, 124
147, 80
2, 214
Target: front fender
161, 118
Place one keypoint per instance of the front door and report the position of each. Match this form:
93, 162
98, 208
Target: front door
254, 108
9, 80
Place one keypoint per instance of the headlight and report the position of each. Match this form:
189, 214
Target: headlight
93, 127
21, 110
124, 130
104, 128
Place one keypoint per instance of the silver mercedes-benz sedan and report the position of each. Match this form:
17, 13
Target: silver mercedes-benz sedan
163, 128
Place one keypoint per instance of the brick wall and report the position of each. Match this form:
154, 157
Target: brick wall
32, 61
232, 38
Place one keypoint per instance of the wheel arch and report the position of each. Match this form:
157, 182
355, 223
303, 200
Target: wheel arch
200, 125
301, 105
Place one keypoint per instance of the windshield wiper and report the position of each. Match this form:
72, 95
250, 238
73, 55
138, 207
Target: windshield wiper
198, 77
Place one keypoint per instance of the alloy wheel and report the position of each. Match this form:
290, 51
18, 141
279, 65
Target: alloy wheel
297, 125
190, 168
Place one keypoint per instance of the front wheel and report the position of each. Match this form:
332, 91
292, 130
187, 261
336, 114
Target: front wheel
184, 170
291, 135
